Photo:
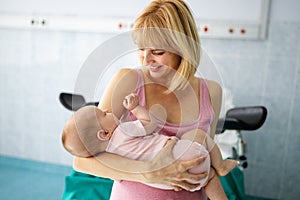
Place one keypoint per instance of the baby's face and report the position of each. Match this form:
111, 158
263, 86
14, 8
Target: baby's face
108, 121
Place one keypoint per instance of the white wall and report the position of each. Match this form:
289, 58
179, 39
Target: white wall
280, 9
203, 9
285, 10
247, 18
74, 7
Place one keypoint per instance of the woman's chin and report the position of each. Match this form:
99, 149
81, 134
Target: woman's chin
155, 74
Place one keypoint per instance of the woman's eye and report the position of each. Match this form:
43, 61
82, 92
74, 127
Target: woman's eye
155, 52
158, 52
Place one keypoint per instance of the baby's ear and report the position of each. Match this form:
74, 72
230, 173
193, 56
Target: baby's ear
103, 135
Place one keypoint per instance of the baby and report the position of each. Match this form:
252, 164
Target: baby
91, 131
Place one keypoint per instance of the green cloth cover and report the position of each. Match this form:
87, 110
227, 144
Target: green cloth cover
82, 186
233, 184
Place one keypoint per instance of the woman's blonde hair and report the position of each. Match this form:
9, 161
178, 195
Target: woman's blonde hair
169, 25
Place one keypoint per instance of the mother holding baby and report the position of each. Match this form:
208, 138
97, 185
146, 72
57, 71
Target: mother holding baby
169, 51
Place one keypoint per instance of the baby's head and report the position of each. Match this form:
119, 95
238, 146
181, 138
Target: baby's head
88, 131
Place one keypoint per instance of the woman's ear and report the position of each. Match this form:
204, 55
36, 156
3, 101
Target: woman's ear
103, 135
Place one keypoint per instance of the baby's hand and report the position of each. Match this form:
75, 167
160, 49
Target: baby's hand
131, 101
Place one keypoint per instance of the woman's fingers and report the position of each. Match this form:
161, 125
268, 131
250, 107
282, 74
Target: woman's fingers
175, 173
169, 146
165, 156
184, 166
182, 185
188, 164
185, 180
191, 177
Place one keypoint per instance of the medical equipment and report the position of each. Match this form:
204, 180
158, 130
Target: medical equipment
242, 118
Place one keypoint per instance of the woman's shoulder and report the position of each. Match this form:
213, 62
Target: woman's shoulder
215, 93
127, 72
123, 82
214, 87
126, 76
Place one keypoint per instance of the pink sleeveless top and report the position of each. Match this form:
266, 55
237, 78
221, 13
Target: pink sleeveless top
128, 190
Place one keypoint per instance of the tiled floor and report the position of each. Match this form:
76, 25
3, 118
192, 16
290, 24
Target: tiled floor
30, 180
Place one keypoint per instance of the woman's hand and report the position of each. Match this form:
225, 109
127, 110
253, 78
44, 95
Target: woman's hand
164, 169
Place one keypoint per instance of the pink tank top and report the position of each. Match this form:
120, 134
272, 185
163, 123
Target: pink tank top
128, 190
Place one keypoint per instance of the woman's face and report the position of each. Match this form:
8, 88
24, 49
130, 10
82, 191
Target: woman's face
160, 63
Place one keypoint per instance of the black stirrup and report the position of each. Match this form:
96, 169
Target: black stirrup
74, 101
243, 118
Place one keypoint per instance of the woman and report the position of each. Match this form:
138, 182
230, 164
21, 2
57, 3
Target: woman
169, 50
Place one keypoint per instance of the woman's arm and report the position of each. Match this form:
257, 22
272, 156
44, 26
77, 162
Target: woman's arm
215, 92
163, 169
122, 84
104, 166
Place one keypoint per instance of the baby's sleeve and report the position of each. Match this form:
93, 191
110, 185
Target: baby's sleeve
133, 128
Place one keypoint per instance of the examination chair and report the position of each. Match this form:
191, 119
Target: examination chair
239, 119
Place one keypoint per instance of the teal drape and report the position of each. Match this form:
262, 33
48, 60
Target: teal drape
82, 186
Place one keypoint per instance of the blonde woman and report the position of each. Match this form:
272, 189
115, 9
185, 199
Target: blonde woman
169, 51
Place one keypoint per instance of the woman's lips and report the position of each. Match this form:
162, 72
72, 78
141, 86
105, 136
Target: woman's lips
155, 68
